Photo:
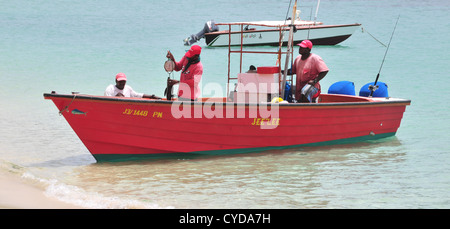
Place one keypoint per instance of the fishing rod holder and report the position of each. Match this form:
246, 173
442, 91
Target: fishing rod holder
373, 87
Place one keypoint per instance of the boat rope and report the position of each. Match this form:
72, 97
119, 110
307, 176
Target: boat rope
67, 107
364, 30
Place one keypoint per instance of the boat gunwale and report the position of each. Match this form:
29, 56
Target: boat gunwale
367, 102
299, 27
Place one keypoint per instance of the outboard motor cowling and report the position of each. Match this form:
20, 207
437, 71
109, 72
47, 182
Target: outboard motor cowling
209, 27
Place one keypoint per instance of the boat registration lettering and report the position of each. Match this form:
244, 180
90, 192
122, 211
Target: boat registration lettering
157, 114
266, 121
252, 36
135, 112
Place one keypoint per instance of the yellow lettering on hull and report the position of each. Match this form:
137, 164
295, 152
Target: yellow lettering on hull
142, 113
266, 121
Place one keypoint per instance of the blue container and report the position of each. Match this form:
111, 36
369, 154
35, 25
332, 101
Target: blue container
382, 90
342, 88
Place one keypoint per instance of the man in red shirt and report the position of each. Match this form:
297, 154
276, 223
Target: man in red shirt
310, 69
191, 74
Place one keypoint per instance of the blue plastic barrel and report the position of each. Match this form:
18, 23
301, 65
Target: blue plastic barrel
342, 88
382, 90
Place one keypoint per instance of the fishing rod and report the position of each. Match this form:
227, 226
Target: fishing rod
374, 87
317, 11
289, 49
309, 27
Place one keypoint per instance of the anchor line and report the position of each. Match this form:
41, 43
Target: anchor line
67, 107
364, 30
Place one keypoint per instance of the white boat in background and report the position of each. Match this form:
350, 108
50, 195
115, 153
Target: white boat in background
253, 35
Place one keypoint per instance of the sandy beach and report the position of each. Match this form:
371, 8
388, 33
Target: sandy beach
15, 193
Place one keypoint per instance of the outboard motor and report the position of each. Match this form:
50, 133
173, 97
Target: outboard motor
209, 27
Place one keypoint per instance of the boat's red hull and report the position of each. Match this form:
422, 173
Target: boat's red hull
128, 127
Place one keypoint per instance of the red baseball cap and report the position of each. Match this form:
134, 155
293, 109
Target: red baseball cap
121, 76
195, 50
306, 44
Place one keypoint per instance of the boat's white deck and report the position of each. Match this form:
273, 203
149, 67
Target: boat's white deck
273, 23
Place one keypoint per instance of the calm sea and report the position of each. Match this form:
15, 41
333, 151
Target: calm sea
67, 46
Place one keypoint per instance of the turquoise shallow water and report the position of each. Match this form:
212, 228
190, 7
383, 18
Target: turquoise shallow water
70, 46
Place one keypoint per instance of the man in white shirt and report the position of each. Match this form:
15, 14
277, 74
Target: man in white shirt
123, 90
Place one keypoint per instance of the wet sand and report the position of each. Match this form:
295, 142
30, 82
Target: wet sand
15, 193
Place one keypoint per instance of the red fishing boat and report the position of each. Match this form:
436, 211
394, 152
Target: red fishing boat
121, 128
245, 121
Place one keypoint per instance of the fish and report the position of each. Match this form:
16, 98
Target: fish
78, 112
168, 91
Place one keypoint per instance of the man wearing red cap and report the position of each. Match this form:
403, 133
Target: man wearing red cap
123, 90
191, 74
310, 69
